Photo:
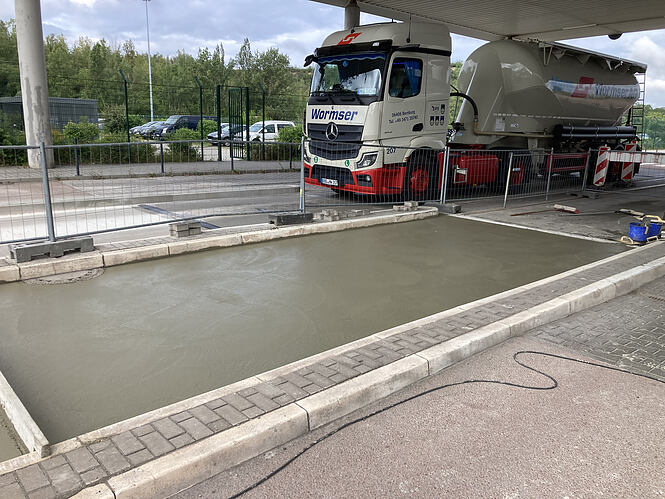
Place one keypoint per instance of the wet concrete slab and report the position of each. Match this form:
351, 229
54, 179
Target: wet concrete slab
87, 354
9, 447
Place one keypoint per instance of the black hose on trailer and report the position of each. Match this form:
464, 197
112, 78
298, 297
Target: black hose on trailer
473, 103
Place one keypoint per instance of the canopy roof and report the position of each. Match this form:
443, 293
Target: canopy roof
537, 19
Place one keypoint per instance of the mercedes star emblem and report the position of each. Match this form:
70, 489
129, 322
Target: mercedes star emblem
332, 132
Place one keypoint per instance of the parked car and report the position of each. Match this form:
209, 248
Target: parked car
177, 121
212, 136
238, 134
147, 130
268, 132
136, 130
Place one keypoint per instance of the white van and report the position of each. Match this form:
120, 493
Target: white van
270, 131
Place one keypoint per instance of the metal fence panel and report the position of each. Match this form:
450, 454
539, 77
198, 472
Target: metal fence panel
105, 187
22, 208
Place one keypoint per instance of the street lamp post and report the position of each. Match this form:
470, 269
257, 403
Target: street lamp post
147, 28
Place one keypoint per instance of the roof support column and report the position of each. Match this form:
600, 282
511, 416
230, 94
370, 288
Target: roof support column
351, 14
32, 68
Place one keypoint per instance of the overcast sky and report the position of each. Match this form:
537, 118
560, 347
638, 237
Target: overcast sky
293, 26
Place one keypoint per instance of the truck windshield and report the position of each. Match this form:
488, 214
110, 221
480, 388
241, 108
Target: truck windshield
360, 74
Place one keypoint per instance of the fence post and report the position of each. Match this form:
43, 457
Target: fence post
510, 169
549, 173
302, 174
263, 124
161, 156
76, 156
444, 180
46, 189
247, 117
219, 122
586, 169
231, 134
129, 149
290, 156
198, 82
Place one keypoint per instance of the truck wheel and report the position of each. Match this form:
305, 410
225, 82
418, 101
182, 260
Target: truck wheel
421, 179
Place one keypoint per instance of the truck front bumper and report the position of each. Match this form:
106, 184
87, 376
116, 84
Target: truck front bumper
376, 181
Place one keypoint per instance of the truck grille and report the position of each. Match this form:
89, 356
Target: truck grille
346, 146
342, 175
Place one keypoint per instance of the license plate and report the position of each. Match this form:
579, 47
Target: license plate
330, 181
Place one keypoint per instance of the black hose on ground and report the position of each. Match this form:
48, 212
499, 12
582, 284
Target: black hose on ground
552, 386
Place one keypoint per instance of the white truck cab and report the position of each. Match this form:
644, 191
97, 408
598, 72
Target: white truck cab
378, 93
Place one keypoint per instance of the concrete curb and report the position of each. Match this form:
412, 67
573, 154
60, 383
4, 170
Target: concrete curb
101, 259
204, 459
340, 400
177, 470
9, 273
25, 426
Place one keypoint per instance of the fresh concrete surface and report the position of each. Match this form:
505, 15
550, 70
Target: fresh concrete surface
119, 253
200, 421
169, 474
598, 433
129, 323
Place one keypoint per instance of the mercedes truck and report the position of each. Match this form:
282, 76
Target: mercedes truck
377, 116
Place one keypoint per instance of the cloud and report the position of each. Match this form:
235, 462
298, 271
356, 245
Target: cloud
87, 3
296, 27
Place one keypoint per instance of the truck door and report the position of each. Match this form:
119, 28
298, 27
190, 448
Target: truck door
404, 100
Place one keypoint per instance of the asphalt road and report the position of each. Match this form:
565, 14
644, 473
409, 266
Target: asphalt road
598, 433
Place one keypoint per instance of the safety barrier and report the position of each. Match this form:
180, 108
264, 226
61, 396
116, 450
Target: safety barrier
94, 188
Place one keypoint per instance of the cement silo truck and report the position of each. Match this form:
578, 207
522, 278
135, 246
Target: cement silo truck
377, 115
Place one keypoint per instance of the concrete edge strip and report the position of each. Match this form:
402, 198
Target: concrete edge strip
199, 461
20, 418
546, 231
101, 259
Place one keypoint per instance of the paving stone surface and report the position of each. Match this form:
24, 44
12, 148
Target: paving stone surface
628, 331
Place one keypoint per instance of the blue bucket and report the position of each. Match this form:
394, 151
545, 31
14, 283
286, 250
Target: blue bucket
638, 232
654, 229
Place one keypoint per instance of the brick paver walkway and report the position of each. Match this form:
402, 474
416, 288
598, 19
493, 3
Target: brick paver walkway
63, 475
628, 332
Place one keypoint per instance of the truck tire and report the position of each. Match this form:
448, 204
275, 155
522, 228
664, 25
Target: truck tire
421, 179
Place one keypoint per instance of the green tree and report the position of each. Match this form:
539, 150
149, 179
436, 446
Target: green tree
83, 132
9, 74
654, 121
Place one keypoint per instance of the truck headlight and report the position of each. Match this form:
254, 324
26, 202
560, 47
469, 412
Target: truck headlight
305, 155
368, 159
